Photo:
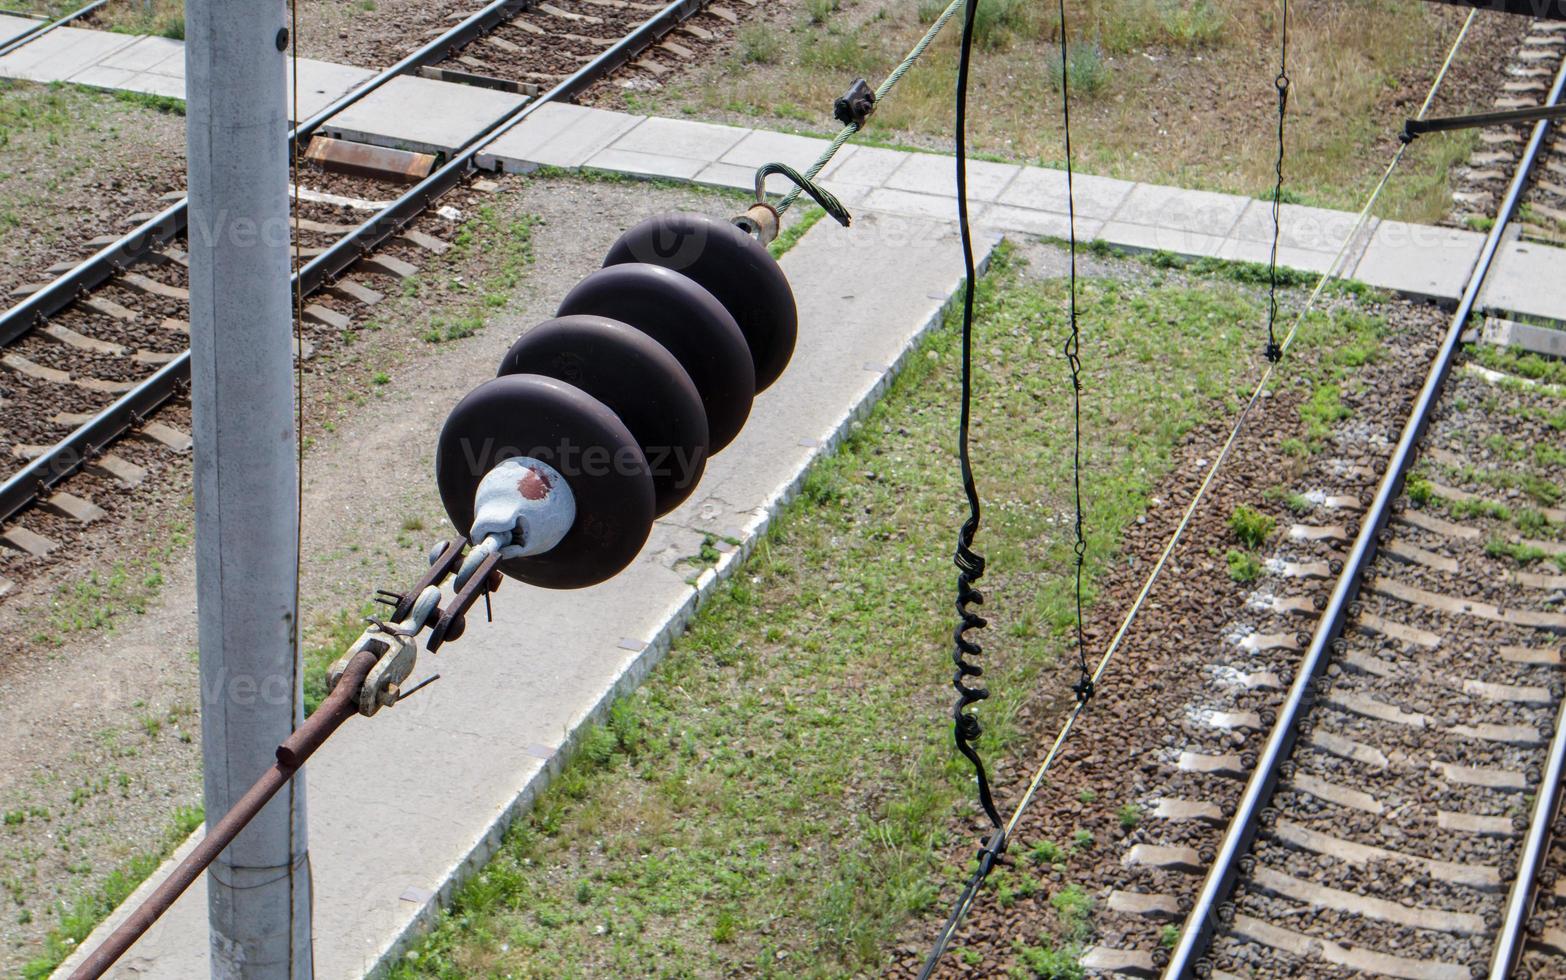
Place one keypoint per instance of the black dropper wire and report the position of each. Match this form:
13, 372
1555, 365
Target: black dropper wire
1083, 688
970, 564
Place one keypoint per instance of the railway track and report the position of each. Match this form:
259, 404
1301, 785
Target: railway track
88, 355
1481, 184
1351, 766
1394, 821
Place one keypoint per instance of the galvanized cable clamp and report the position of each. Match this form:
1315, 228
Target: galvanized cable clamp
853, 107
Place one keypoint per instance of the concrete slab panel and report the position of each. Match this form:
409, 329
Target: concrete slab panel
1005, 218
1549, 341
556, 135
420, 114
1154, 238
153, 83
1303, 259
1527, 281
736, 176
61, 53
930, 173
760, 147
320, 84
656, 165
1178, 209
144, 54
918, 205
1044, 189
1420, 260
1315, 229
13, 26
465, 756
110, 78
684, 138
868, 165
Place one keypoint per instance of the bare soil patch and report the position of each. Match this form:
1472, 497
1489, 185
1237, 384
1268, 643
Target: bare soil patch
75, 165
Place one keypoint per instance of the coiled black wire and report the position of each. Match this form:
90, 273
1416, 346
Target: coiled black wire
970, 564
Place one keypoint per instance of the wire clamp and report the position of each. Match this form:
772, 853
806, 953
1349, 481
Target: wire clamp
1274, 352
853, 107
1084, 689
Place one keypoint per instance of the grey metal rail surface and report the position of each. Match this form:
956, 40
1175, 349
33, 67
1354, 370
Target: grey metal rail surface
1203, 919
44, 27
1519, 902
134, 245
68, 455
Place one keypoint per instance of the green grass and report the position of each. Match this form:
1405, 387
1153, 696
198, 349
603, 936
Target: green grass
1251, 526
1520, 363
164, 18
1244, 567
774, 800
43, 112
1143, 71
99, 600
466, 317
81, 916
157, 103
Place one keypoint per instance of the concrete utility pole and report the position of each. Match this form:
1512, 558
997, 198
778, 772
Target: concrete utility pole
258, 891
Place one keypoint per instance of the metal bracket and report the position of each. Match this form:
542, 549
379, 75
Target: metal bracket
396, 649
1413, 128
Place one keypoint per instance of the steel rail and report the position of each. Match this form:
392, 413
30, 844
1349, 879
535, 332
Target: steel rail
1519, 903
134, 245
44, 27
1204, 917
68, 455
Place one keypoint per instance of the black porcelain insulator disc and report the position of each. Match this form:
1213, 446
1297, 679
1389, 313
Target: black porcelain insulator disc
731, 265
559, 424
682, 316
638, 379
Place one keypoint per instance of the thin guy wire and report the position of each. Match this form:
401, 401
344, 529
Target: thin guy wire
880, 93
970, 891
298, 357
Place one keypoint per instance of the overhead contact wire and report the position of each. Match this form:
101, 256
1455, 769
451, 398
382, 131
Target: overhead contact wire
971, 889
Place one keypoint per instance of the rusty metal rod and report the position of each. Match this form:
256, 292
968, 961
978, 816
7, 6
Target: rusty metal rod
338, 707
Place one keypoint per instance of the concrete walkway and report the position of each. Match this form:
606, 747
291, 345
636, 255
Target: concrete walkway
1415, 260
436, 116
403, 807
145, 64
